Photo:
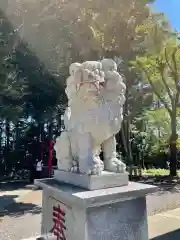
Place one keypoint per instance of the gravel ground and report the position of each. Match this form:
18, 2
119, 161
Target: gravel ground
26, 221
16, 228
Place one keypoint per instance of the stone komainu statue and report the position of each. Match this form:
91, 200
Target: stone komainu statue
96, 95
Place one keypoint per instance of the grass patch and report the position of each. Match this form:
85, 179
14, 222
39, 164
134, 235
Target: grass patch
157, 172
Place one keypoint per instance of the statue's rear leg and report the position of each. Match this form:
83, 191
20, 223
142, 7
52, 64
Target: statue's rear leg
89, 161
111, 162
63, 152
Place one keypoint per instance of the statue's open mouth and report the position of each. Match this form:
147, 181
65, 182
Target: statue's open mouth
94, 83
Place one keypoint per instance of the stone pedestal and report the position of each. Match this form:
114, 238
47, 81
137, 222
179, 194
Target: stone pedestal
117, 213
93, 182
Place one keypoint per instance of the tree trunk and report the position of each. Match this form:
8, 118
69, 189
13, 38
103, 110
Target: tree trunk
173, 147
7, 135
40, 141
126, 125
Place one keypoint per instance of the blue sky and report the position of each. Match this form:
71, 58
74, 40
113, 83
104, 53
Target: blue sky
171, 9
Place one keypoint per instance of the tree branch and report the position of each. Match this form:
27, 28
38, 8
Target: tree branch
159, 96
154, 90
161, 69
175, 72
177, 99
167, 61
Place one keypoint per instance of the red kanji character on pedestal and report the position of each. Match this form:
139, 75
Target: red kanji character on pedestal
59, 223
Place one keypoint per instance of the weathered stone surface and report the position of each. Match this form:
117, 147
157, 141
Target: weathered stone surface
111, 213
41, 238
96, 95
80, 197
37, 238
93, 182
125, 220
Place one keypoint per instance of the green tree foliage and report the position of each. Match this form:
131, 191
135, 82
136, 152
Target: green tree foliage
44, 37
160, 70
158, 123
30, 96
65, 31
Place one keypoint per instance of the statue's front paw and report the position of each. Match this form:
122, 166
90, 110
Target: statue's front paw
96, 168
115, 165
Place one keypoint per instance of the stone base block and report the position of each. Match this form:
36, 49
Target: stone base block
113, 214
35, 238
93, 182
41, 238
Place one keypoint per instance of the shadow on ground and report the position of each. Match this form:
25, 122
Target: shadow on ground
6, 200
9, 207
15, 185
164, 183
175, 235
